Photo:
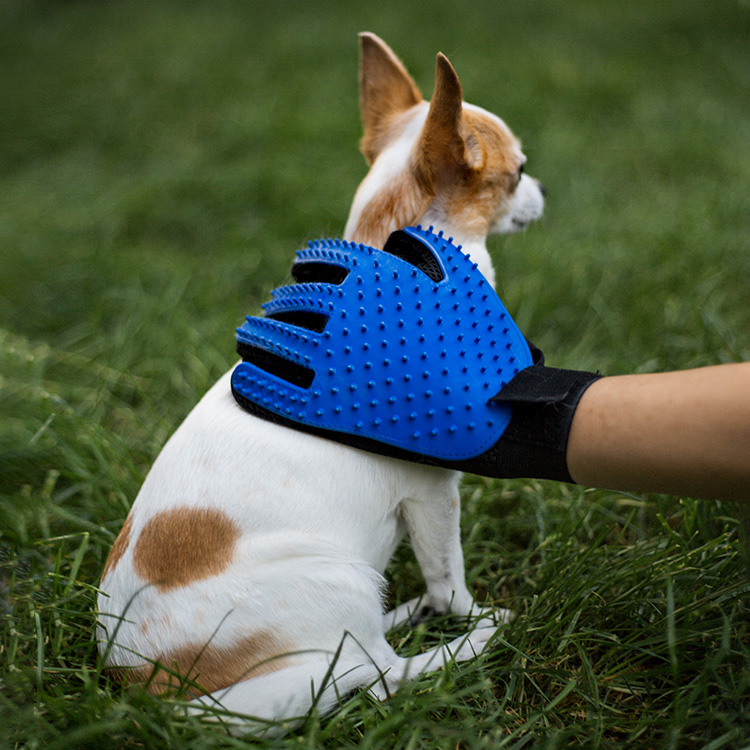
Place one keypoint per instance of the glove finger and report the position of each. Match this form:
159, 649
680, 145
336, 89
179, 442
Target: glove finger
414, 344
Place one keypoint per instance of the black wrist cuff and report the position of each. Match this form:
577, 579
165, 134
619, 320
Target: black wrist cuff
535, 442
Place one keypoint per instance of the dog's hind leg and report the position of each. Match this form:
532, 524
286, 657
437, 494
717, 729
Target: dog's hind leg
273, 704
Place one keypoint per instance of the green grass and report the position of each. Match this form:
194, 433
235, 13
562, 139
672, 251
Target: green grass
159, 164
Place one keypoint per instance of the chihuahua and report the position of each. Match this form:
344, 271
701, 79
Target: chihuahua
248, 575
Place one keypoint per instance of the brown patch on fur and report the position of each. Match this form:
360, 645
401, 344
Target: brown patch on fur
177, 547
499, 145
200, 669
119, 548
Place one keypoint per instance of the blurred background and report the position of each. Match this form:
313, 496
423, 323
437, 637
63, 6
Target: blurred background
187, 148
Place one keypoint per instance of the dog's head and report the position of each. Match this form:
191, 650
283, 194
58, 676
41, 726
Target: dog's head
443, 162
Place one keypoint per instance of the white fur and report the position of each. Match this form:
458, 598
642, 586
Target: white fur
527, 206
319, 522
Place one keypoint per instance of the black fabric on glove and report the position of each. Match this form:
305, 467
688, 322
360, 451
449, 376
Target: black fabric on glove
535, 442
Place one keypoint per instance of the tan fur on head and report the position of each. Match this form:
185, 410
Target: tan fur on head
444, 162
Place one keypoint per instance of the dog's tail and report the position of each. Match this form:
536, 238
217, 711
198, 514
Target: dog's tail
273, 704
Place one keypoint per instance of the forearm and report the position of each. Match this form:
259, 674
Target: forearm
682, 432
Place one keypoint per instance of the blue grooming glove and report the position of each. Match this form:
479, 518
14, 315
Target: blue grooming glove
408, 352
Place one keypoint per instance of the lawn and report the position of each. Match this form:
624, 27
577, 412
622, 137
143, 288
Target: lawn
161, 161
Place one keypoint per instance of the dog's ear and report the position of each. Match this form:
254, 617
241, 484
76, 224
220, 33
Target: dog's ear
385, 89
447, 140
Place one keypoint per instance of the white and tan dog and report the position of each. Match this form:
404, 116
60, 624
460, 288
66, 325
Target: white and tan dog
249, 572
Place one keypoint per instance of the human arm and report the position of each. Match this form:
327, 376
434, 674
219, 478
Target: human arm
681, 433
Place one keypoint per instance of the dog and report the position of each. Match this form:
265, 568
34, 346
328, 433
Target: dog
248, 576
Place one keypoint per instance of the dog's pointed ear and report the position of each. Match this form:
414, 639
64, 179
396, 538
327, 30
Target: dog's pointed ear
385, 89
447, 140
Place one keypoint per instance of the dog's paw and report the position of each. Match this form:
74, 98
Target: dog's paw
468, 646
400, 670
421, 608
414, 611
487, 616
504, 616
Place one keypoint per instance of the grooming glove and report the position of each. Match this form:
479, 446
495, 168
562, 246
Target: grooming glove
407, 352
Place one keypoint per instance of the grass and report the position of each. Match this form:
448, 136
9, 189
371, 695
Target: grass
159, 164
